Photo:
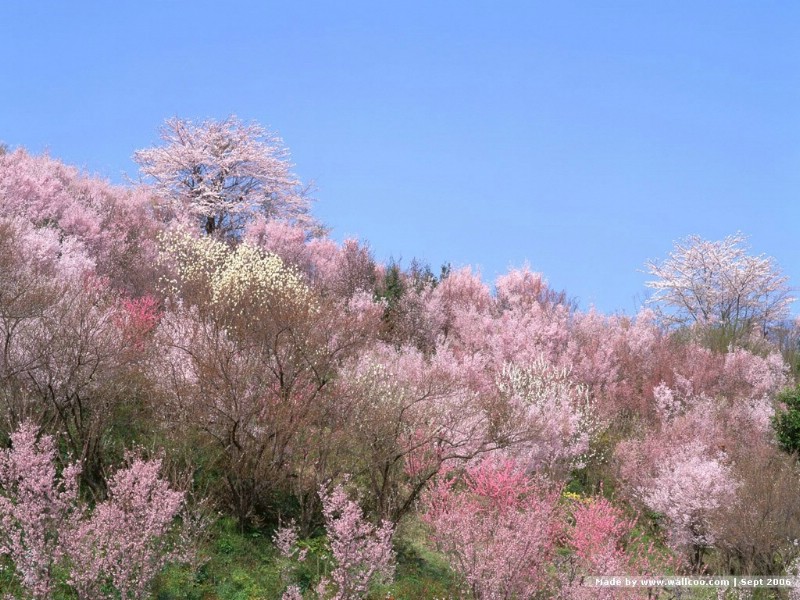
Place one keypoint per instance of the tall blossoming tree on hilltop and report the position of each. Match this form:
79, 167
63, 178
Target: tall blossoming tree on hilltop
223, 173
719, 284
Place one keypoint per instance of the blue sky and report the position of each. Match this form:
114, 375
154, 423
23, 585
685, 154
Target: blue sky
583, 138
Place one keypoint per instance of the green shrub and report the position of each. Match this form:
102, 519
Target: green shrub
787, 422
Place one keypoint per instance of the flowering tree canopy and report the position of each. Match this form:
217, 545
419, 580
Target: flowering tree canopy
114, 551
224, 173
718, 283
498, 529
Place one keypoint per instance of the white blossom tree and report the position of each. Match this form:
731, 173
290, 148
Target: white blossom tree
223, 173
718, 284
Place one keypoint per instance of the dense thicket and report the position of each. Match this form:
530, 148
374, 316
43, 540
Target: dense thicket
196, 346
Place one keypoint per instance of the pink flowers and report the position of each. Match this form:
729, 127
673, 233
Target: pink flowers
499, 531
124, 542
689, 485
718, 284
108, 227
36, 508
362, 551
598, 536
222, 173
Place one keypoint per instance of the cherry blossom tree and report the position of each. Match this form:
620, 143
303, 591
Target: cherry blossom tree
362, 551
113, 551
67, 360
407, 417
125, 541
689, 487
719, 284
683, 469
249, 352
222, 173
547, 421
112, 226
35, 507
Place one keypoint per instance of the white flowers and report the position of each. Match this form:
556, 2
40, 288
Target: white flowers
244, 279
553, 413
718, 283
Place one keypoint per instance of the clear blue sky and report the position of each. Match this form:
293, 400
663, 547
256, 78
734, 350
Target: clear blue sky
581, 137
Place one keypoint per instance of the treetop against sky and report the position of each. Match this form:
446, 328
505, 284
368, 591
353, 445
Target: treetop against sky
584, 139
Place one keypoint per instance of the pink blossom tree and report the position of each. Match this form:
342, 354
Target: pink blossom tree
598, 535
688, 488
362, 552
113, 226
685, 478
117, 548
222, 173
64, 361
407, 417
36, 508
532, 321
460, 309
128, 538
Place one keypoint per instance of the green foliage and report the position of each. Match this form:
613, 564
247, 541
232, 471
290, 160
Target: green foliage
787, 338
8, 579
130, 425
239, 565
596, 475
392, 287
421, 572
787, 422
244, 565
444, 271
391, 290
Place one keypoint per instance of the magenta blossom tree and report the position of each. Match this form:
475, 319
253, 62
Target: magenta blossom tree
498, 529
600, 541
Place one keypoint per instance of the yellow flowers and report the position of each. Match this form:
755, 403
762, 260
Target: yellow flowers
574, 497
